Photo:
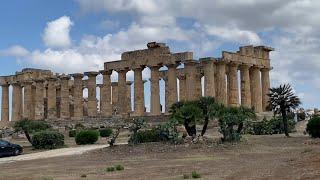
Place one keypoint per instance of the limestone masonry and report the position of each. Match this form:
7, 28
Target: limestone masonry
41, 94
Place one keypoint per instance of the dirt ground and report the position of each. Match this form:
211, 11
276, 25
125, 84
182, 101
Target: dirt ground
256, 157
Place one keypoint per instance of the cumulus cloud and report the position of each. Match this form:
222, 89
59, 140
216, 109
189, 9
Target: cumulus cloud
291, 27
56, 34
15, 51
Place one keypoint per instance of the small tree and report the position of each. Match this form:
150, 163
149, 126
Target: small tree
205, 103
282, 101
28, 127
187, 113
231, 120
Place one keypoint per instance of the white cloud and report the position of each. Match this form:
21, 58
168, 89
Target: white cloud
56, 33
15, 51
233, 34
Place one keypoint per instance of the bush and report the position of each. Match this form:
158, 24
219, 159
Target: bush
47, 140
105, 132
72, 133
186, 176
87, 137
266, 127
195, 175
119, 167
145, 136
110, 169
313, 127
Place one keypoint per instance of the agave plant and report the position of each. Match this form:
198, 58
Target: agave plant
282, 101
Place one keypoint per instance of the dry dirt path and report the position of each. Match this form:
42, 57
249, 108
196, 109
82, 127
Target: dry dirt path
52, 153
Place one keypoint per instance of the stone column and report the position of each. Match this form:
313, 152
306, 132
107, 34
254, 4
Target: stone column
105, 95
39, 100
64, 102
52, 98
122, 93
114, 95
5, 104
27, 100
255, 87
16, 101
78, 95
172, 85
245, 86
92, 94
129, 107
138, 92
221, 93
155, 91
193, 91
182, 88
209, 82
265, 81
233, 94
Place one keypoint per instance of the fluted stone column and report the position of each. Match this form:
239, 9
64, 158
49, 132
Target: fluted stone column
39, 100
172, 85
52, 98
265, 81
209, 81
138, 92
114, 95
5, 104
27, 100
105, 95
193, 91
155, 91
78, 95
16, 101
122, 93
64, 103
182, 88
221, 93
233, 93
255, 87
245, 86
92, 94
129, 107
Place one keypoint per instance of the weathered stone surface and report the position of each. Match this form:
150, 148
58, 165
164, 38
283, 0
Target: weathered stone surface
52, 96
255, 87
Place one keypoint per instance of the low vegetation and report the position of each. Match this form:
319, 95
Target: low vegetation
87, 137
107, 132
47, 140
313, 127
115, 168
268, 127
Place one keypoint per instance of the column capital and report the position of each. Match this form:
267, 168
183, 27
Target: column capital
190, 62
91, 73
15, 83
4, 84
234, 64
64, 77
106, 72
77, 75
172, 65
266, 68
27, 82
39, 80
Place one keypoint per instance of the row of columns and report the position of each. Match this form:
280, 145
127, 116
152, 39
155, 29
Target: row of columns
254, 86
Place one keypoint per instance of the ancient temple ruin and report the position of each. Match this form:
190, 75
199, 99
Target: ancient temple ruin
42, 94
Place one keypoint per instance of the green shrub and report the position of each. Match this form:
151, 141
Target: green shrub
48, 178
72, 133
272, 126
83, 175
119, 167
47, 140
110, 169
105, 132
195, 175
313, 127
87, 137
145, 136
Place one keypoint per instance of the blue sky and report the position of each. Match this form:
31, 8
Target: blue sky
79, 35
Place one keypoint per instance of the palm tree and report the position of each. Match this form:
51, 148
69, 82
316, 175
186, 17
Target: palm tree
205, 104
282, 101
